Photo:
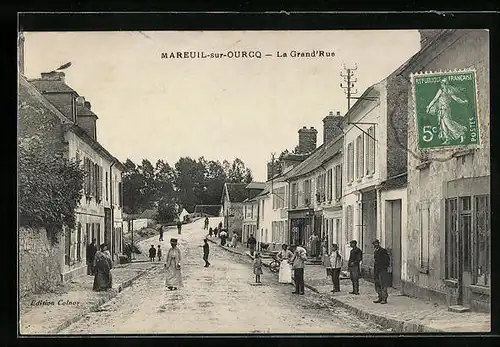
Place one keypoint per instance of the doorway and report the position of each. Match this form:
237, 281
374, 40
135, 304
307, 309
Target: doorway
107, 228
393, 239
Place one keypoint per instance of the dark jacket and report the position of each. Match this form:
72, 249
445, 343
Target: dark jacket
206, 249
381, 260
251, 241
91, 251
152, 252
355, 257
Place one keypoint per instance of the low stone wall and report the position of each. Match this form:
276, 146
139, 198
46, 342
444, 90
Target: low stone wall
39, 261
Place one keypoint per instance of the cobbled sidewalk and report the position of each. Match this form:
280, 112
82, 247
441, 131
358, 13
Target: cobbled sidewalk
76, 298
400, 314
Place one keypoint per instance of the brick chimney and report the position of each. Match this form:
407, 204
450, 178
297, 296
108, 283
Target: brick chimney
428, 34
85, 118
20, 53
307, 140
332, 127
53, 76
87, 105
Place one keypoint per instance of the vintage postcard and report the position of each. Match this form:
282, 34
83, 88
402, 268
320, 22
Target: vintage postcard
254, 182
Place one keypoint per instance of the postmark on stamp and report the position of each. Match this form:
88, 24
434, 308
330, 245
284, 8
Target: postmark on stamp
446, 109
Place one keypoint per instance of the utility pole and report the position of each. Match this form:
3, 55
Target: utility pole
349, 78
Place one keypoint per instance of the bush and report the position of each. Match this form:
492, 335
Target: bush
50, 188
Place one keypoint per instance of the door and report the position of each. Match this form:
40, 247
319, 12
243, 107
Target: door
465, 250
393, 239
107, 228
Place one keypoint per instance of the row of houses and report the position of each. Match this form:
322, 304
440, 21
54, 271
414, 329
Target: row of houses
372, 179
55, 113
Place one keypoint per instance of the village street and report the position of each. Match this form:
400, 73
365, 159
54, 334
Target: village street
219, 299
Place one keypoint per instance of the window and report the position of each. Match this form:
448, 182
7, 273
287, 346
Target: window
350, 162
246, 211
329, 191
262, 210
370, 150
120, 196
294, 195
349, 220
98, 233
338, 182
67, 247
107, 187
424, 214
79, 242
307, 192
359, 157
482, 237
451, 239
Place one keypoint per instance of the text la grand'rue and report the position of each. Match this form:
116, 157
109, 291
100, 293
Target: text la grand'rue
306, 54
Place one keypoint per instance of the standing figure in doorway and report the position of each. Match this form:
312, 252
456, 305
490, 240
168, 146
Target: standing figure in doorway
353, 264
91, 251
173, 266
315, 245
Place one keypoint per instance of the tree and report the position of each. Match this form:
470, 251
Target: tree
167, 211
133, 185
50, 188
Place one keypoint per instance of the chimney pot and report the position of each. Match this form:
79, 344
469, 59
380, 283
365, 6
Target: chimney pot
331, 113
87, 105
80, 100
338, 113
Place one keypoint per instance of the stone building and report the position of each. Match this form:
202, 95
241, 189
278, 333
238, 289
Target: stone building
449, 235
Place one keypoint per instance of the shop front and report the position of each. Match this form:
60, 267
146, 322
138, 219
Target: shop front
301, 226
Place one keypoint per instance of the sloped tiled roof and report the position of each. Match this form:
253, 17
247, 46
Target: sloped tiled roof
256, 185
236, 191
317, 158
52, 86
149, 213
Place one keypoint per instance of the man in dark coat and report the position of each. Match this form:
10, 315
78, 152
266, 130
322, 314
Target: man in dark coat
161, 233
206, 251
91, 251
251, 242
179, 227
380, 273
355, 258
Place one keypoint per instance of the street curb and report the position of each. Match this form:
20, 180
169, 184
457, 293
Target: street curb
396, 325
112, 294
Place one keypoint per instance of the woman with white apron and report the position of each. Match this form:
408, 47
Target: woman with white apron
285, 256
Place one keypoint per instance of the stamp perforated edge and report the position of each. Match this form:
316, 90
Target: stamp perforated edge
413, 108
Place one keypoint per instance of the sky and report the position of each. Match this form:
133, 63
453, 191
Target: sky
225, 108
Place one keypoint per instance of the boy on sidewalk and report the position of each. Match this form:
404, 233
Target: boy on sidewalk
158, 253
152, 253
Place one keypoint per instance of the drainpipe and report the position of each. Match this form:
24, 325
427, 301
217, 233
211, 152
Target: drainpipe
112, 209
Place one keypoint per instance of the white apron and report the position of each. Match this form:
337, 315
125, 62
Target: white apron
285, 274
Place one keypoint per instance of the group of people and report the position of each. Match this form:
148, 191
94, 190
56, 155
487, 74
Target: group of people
99, 265
154, 253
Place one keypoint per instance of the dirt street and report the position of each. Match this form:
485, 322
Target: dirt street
217, 299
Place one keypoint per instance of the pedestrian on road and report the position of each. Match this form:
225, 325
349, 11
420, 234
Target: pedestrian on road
257, 267
173, 266
152, 253
220, 227
336, 265
161, 233
380, 273
210, 232
251, 242
285, 256
234, 240
158, 253
91, 251
179, 227
298, 260
102, 269
206, 251
215, 231
223, 237
206, 223
353, 264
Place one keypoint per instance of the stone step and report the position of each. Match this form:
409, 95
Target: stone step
458, 309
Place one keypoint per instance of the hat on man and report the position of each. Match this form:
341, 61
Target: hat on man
376, 241
173, 240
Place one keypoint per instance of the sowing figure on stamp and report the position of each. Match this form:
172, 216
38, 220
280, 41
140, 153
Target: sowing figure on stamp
449, 130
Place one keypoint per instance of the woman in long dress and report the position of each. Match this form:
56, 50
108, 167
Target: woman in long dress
285, 256
102, 269
440, 106
173, 266
234, 240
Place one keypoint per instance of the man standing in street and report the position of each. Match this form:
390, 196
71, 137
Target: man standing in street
91, 251
179, 227
206, 251
161, 233
251, 242
298, 260
206, 223
355, 258
380, 273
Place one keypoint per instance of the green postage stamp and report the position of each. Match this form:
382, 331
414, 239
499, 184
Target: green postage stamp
446, 109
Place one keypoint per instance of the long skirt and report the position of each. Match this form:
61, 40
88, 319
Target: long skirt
102, 280
173, 277
90, 270
285, 274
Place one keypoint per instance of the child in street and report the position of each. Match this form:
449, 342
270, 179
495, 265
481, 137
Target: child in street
158, 253
152, 253
257, 267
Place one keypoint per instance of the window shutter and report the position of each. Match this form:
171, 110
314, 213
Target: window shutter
361, 155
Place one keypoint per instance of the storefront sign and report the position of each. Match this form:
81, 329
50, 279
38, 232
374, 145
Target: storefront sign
446, 109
